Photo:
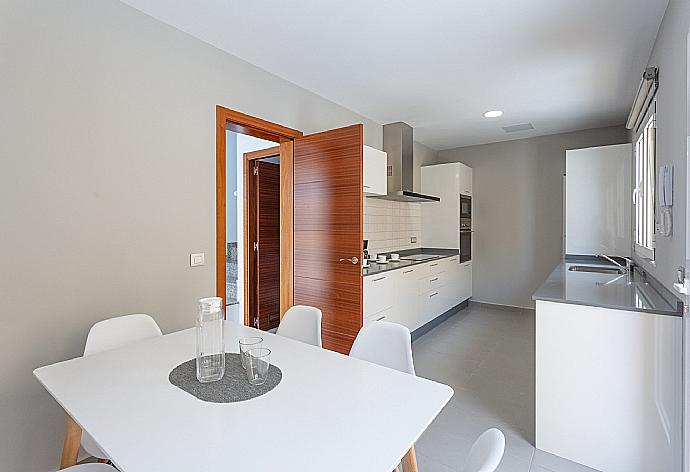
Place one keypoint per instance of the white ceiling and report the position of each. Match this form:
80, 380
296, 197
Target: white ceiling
562, 65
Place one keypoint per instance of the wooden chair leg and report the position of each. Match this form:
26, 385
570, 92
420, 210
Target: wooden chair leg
409, 461
70, 446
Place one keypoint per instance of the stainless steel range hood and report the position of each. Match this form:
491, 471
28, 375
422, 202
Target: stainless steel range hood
398, 142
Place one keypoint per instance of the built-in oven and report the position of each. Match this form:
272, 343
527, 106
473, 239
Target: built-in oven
465, 228
465, 245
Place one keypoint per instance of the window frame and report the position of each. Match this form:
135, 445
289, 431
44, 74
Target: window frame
644, 188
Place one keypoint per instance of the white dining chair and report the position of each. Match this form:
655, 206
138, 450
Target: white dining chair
111, 334
302, 323
487, 452
385, 343
389, 345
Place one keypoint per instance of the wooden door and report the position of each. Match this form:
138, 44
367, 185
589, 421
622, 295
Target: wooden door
328, 231
264, 304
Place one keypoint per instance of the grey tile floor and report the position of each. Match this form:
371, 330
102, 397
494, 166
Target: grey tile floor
487, 355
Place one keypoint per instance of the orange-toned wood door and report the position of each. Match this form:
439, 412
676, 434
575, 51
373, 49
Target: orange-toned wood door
264, 303
328, 231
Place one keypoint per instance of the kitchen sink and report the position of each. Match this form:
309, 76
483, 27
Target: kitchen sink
597, 269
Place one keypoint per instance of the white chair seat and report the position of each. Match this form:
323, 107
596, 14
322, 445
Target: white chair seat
302, 323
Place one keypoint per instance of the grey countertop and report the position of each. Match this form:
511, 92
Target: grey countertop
634, 292
376, 268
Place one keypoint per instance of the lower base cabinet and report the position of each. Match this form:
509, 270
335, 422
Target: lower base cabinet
414, 296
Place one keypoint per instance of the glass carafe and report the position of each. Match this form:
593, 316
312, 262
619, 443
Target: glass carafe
210, 346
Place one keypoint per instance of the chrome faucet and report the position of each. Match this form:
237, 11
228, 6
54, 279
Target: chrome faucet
628, 262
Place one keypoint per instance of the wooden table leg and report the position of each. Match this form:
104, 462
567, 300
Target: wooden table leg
70, 447
409, 461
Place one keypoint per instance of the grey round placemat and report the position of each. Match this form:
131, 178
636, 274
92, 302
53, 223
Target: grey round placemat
233, 387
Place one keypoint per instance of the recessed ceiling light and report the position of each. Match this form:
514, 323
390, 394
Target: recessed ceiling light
493, 114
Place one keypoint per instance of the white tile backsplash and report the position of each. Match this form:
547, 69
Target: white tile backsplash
389, 225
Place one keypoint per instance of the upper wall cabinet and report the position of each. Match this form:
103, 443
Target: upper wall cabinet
465, 179
375, 179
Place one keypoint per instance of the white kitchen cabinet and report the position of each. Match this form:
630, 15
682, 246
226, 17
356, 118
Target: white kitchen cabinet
407, 298
375, 177
378, 293
414, 296
464, 281
465, 180
441, 220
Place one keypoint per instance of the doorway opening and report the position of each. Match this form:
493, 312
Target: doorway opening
240, 139
262, 236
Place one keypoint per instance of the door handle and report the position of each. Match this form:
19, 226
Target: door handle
353, 259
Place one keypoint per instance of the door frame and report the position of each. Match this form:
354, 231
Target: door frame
248, 158
230, 120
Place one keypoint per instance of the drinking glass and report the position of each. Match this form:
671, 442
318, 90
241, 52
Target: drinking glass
246, 344
258, 361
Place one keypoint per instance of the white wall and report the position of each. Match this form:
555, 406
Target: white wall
670, 55
597, 200
107, 183
518, 210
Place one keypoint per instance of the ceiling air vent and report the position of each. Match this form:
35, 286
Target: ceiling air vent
516, 128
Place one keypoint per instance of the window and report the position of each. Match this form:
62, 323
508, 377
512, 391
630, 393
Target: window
643, 195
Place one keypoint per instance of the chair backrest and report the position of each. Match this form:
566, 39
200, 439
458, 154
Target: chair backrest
119, 331
302, 323
487, 452
385, 343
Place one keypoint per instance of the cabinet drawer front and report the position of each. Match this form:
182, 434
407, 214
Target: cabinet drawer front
378, 293
435, 267
430, 305
431, 282
383, 315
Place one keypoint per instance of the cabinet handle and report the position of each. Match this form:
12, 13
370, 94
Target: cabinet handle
434, 279
381, 318
380, 278
433, 265
367, 186
433, 294
408, 271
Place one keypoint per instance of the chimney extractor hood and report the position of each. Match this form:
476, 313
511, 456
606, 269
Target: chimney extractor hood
398, 142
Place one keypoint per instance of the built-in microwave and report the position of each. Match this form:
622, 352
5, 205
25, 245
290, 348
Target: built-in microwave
465, 207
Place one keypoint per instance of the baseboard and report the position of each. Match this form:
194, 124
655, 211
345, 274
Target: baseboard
422, 330
500, 306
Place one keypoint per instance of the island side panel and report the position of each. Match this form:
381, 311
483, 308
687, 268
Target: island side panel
608, 387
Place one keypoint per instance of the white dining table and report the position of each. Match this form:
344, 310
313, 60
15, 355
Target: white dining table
330, 412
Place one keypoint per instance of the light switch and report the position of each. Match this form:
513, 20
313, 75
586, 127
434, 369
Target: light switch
196, 260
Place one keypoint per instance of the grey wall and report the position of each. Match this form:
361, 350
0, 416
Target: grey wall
107, 183
518, 210
671, 56
421, 156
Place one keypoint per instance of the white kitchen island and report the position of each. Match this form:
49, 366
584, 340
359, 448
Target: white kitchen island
608, 371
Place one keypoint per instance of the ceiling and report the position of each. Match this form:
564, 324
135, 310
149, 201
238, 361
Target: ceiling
561, 65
